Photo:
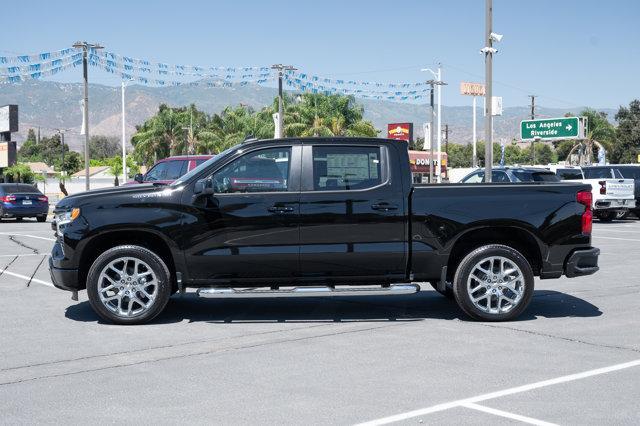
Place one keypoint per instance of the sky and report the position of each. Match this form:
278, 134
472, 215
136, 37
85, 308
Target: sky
570, 53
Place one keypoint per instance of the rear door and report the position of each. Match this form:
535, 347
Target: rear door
352, 214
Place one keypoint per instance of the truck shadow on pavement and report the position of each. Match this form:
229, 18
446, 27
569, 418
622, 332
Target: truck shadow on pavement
418, 307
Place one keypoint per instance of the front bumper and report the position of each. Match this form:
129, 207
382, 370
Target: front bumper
582, 262
64, 279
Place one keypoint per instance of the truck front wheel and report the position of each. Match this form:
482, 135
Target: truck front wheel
128, 285
493, 283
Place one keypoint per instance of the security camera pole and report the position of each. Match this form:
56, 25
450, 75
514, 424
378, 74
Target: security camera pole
281, 68
85, 105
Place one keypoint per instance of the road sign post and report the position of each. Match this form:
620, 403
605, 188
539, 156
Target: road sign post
553, 128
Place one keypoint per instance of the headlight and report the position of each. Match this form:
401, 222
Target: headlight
66, 217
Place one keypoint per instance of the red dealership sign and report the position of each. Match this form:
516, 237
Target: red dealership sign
400, 131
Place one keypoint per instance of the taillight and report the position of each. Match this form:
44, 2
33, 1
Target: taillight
586, 199
8, 198
43, 198
603, 187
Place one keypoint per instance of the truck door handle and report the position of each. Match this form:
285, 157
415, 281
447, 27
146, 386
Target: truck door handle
280, 209
385, 207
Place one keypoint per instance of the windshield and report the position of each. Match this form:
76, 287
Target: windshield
204, 165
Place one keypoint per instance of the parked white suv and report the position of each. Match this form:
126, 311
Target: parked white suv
613, 195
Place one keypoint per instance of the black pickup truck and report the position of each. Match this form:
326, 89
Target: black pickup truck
330, 217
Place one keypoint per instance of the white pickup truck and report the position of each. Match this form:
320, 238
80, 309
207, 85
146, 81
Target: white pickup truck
613, 195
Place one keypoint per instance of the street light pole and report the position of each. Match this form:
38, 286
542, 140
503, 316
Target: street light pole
488, 61
281, 68
437, 81
124, 137
85, 104
475, 137
439, 168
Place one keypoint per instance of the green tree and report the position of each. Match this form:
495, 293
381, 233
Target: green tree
459, 155
18, 173
627, 146
312, 114
102, 147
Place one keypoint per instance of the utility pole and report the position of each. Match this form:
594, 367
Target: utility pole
446, 139
475, 137
431, 128
124, 137
440, 84
533, 117
85, 104
61, 132
488, 61
281, 68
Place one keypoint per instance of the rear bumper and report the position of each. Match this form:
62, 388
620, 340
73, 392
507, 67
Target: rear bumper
64, 279
582, 262
614, 204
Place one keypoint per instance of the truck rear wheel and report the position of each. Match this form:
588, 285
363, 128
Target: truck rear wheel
128, 285
493, 283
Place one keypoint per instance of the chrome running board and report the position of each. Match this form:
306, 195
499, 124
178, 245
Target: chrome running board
213, 292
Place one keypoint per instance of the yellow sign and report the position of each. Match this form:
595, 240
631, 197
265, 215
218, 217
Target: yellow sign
472, 89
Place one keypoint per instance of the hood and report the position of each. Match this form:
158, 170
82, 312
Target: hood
116, 191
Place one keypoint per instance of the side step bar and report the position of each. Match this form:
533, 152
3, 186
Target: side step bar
212, 292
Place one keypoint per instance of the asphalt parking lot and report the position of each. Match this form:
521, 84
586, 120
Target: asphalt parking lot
572, 358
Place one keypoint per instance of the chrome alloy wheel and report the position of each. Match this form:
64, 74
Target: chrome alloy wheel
127, 287
496, 285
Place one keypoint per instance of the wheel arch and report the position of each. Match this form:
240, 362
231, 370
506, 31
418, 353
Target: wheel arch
516, 237
144, 238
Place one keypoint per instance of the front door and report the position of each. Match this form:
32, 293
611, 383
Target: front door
248, 229
352, 214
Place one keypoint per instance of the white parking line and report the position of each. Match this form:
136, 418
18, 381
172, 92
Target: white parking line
27, 235
26, 278
32, 254
498, 394
615, 238
506, 414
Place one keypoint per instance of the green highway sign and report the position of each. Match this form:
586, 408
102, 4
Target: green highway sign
553, 128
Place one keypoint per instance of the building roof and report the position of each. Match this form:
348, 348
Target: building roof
39, 167
92, 171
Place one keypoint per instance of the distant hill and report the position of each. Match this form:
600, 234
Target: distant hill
51, 105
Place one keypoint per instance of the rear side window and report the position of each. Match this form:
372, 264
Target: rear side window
498, 176
598, 173
175, 169
569, 174
344, 168
629, 172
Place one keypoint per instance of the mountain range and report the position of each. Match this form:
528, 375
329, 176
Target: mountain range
50, 105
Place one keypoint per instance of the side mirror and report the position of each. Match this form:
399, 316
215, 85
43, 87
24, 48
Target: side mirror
139, 178
204, 187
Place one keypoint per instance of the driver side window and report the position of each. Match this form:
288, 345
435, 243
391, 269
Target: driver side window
266, 170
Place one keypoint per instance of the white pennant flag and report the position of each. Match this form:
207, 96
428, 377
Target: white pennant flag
83, 129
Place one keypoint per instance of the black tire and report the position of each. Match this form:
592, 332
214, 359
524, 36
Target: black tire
448, 290
157, 265
465, 268
41, 219
606, 216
